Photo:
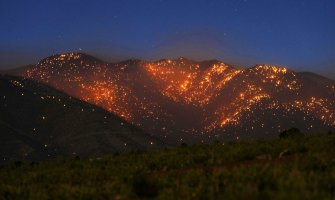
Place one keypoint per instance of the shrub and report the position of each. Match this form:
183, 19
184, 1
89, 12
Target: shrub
144, 187
183, 144
293, 132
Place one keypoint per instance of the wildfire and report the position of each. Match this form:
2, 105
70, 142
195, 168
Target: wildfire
219, 93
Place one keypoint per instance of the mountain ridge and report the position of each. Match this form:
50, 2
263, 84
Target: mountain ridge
86, 56
38, 122
160, 96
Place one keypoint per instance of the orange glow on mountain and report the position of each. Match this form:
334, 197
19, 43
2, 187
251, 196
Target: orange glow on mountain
157, 93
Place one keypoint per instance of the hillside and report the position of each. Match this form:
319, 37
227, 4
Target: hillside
38, 122
225, 103
292, 168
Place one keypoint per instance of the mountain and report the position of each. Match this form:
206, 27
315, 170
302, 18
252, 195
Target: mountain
17, 71
185, 101
38, 122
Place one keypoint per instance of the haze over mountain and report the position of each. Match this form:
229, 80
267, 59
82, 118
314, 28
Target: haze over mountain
38, 122
181, 99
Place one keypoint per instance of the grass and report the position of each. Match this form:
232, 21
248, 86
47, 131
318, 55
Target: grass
291, 168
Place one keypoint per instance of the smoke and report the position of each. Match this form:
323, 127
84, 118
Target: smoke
198, 46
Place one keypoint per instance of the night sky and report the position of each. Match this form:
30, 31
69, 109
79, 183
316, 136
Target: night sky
299, 34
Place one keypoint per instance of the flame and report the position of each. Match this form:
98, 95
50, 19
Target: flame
135, 92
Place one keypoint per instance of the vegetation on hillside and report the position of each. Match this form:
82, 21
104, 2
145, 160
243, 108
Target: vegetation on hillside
301, 167
38, 122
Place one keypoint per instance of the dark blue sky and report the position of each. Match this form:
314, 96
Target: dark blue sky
295, 33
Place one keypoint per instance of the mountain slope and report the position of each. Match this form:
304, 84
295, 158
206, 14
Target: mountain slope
185, 100
38, 122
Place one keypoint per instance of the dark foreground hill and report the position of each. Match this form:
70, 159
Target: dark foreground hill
38, 122
291, 168
186, 101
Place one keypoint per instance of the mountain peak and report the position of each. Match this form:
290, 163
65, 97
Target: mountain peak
133, 61
182, 61
269, 70
69, 57
273, 68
